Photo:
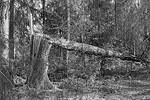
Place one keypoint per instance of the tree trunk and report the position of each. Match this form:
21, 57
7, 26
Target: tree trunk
147, 36
92, 50
39, 78
68, 32
5, 80
40, 49
11, 34
5, 30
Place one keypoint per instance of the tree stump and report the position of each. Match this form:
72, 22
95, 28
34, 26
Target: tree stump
39, 78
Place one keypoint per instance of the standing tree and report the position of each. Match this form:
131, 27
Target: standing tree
5, 77
11, 34
40, 49
68, 31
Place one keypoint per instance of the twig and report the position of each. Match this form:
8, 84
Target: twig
7, 78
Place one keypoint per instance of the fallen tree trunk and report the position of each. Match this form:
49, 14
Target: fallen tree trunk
89, 49
39, 78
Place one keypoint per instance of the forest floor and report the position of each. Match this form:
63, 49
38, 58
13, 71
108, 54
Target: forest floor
109, 88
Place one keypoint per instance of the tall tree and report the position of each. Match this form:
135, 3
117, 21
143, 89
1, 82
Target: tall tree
31, 39
11, 33
5, 20
68, 31
5, 83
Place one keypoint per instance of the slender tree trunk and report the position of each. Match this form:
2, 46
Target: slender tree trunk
6, 31
98, 20
5, 83
68, 38
30, 17
11, 34
43, 13
115, 7
147, 34
31, 30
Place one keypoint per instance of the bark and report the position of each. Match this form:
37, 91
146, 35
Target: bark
11, 33
89, 49
39, 53
5, 18
31, 35
68, 38
43, 12
81, 47
5, 78
39, 78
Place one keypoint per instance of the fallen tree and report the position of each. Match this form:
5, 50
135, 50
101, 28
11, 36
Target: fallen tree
89, 49
38, 77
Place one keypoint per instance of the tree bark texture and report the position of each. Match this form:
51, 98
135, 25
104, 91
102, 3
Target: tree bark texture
39, 78
68, 31
11, 33
5, 84
89, 49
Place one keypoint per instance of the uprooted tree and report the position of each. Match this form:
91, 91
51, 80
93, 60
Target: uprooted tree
38, 77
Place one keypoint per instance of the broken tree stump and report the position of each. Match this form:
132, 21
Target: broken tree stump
38, 77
